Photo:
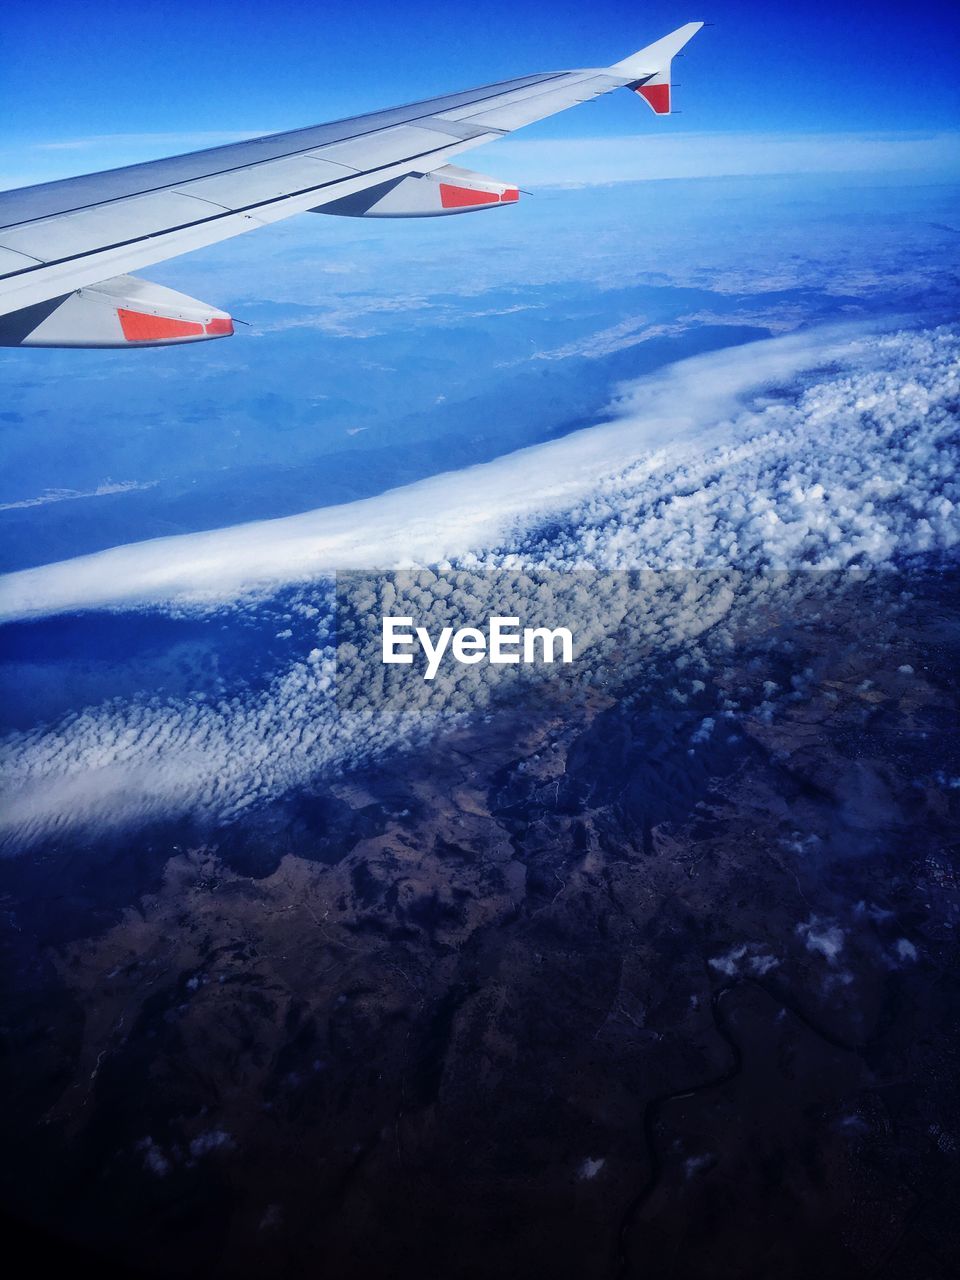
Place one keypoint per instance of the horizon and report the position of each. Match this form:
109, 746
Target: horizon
740, 69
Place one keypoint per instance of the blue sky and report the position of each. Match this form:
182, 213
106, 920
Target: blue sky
70, 71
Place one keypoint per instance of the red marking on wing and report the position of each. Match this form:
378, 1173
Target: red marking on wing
218, 328
658, 96
139, 327
510, 195
463, 197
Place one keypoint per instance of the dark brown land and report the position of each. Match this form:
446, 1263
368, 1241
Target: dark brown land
558, 996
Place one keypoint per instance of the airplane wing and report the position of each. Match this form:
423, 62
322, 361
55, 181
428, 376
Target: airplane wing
66, 247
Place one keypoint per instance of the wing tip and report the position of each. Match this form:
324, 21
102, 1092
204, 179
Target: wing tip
655, 58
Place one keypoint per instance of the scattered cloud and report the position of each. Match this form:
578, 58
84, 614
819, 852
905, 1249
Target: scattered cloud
822, 937
68, 495
826, 449
697, 467
749, 958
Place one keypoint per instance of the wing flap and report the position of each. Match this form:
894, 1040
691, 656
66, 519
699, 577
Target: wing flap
273, 180
91, 229
11, 261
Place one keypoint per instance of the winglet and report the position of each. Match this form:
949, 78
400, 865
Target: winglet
648, 71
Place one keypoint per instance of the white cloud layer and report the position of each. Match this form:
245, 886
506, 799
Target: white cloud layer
682, 476
644, 156
824, 450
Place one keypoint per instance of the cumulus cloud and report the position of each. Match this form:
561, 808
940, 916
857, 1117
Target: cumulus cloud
749, 958
822, 937
338, 706
160, 1160
856, 467
829, 450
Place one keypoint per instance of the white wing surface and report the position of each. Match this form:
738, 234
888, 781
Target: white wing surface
67, 248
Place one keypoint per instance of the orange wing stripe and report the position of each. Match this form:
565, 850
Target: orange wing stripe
460, 197
139, 327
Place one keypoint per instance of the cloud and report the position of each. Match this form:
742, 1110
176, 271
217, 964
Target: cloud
750, 958
683, 475
598, 161
822, 450
105, 489
331, 708
822, 937
636, 330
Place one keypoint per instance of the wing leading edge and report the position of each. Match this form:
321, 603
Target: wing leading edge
67, 248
